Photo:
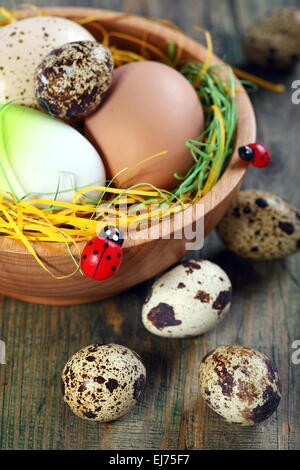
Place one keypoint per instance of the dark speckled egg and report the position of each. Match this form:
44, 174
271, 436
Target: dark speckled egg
261, 225
102, 382
240, 384
71, 81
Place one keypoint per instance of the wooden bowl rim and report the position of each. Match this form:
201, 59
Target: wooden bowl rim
236, 168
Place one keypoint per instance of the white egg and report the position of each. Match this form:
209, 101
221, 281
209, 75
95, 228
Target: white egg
23, 45
187, 301
45, 158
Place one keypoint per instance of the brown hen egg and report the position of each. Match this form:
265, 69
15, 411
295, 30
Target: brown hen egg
151, 108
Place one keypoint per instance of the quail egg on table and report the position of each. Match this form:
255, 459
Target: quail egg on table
240, 384
188, 300
102, 382
274, 41
261, 225
23, 45
72, 80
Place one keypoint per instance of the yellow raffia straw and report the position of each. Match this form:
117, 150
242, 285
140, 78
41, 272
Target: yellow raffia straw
208, 57
6, 17
24, 240
216, 167
131, 170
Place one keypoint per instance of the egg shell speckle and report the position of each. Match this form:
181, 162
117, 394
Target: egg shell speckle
261, 225
103, 382
274, 41
71, 81
23, 45
240, 384
187, 301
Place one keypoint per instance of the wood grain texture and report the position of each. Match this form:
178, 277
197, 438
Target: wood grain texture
146, 255
265, 313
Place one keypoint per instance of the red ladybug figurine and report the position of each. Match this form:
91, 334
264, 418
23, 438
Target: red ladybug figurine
256, 154
103, 255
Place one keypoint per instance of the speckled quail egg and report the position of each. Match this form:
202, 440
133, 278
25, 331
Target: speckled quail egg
71, 81
187, 301
23, 45
240, 384
261, 225
274, 41
102, 382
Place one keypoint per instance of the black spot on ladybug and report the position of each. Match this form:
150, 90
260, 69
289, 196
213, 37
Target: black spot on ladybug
90, 243
90, 358
260, 202
99, 379
108, 257
84, 256
113, 268
96, 252
90, 415
222, 300
119, 255
138, 386
105, 245
163, 315
111, 385
287, 227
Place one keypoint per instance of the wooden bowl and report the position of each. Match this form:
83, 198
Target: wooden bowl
22, 278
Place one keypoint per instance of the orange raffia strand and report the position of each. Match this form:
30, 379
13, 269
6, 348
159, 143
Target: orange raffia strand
141, 42
179, 49
277, 87
92, 20
208, 57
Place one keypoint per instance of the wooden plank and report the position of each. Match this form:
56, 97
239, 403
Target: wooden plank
264, 315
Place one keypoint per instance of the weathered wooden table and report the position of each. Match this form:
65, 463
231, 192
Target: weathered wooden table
265, 314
